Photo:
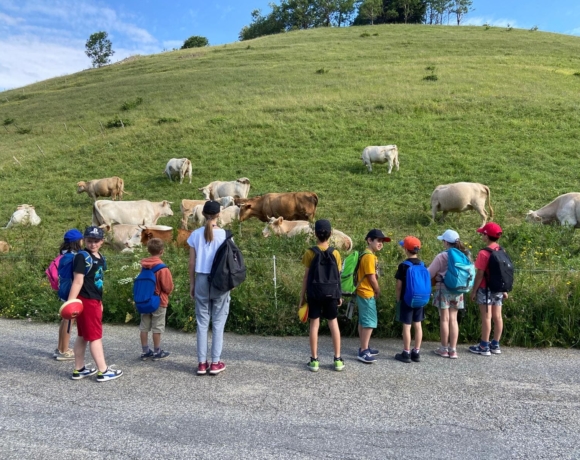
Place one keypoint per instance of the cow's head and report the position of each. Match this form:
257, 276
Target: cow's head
532, 216
81, 186
165, 209
243, 180
207, 191
245, 211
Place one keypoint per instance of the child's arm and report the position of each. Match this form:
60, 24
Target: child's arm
303, 290
192, 256
478, 278
398, 290
165, 281
372, 277
76, 286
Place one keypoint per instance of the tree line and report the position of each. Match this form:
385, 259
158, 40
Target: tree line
306, 14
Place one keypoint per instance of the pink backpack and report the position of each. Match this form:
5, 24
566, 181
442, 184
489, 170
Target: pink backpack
52, 272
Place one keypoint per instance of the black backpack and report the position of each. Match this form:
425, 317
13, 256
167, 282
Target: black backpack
323, 276
500, 277
228, 269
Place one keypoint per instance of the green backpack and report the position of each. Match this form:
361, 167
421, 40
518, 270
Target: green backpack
349, 275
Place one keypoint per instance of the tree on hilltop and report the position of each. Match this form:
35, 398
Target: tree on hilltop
461, 8
99, 49
195, 41
371, 10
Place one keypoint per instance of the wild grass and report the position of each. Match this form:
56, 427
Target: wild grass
503, 111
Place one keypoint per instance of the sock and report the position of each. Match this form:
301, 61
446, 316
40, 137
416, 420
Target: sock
406, 351
145, 348
416, 350
452, 349
335, 358
157, 351
313, 359
495, 343
484, 344
81, 369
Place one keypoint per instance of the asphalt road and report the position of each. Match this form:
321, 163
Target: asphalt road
521, 404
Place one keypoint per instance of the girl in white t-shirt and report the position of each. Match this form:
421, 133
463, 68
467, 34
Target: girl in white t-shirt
447, 302
204, 243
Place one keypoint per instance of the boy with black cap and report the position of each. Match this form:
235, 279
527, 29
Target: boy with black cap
367, 293
326, 307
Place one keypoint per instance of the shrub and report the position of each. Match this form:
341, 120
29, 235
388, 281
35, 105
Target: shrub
365, 34
117, 122
195, 41
431, 77
8, 121
128, 105
322, 71
167, 120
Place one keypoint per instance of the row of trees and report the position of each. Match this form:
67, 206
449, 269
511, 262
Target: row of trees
306, 14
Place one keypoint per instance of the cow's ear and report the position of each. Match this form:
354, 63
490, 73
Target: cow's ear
279, 220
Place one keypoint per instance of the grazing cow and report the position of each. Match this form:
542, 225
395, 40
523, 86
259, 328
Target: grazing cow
178, 166
460, 197
340, 241
106, 212
163, 232
290, 206
564, 209
279, 226
24, 215
226, 201
187, 207
381, 154
182, 236
4, 247
110, 186
228, 215
122, 236
238, 189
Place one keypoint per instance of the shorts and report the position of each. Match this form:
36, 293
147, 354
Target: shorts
327, 308
367, 312
443, 299
154, 322
408, 315
485, 296
90, 321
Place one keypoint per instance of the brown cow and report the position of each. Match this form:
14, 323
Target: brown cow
290, 206
110, 186
187, 207
163, 232
182, 236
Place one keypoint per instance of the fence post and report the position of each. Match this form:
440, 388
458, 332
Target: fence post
275, 285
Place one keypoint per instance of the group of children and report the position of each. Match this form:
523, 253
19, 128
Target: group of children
320, 287
368, 291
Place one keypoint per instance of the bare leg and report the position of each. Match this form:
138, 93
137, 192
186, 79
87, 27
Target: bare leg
418, 335
98, 354
497, 322
485, 322
406, 336
335, 334
453, 328
157, 339
365, 337
314, 325
80, 347
444, 326
63, 336
144, 338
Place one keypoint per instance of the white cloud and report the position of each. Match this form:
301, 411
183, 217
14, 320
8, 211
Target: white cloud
479, 21
9, 20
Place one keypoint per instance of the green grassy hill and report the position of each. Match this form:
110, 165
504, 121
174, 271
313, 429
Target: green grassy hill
293, 112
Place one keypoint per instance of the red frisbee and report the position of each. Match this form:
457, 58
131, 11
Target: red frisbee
71, 309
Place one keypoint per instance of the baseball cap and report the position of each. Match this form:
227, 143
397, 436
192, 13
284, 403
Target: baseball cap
72, 235
94, 232
376, 234
322, 225
211, 207
411, 243
451, 236
491, 229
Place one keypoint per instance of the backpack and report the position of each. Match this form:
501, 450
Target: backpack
144, 290
228, 269
500, 276
349, 275
323, 276
418, 286
460, 274
66, 274
52, 272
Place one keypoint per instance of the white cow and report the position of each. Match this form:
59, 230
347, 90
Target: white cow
122, 236
340, 240
226, 201
180, 167
187, 207
564, 209
238, 189
460, 197
226, 217
106, 212
24, 215
279, 226
381, 154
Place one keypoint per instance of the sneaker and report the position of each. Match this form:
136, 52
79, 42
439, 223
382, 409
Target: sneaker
404, 357
373, 351
313, 365
202, 368
479, 350
415, 357
494, 348
162, 354
56, 352
366, 357
442, 351
109, 374
66, 356
453, 354
146, 356
82, 373
338, 364
216, 368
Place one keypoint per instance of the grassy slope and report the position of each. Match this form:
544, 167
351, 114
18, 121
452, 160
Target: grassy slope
504, 112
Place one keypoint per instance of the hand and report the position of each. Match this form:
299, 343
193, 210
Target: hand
102, 307
377, 294
505, 295
472, 296
340, 302
192, 291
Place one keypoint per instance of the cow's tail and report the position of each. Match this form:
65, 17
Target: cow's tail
489, 200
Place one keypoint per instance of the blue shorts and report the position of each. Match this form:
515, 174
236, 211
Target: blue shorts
367, 312
408, 315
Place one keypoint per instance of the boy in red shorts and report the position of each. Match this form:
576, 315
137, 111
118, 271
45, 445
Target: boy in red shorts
89, 290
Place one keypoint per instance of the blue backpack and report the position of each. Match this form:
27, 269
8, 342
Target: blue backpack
66, 274
460, 272
418, 288
144, 290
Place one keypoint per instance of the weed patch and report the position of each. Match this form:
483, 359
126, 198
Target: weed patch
128, 105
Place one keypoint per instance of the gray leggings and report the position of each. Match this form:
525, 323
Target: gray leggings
217, 311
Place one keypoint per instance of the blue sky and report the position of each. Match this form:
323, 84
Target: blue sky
40, 39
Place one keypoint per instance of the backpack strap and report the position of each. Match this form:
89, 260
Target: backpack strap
364, 253
158, 267
229, 234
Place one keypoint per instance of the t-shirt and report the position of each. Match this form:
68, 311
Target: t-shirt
368, 266
402, 274
93, 282
308, 257
205, 252
438, 268
482, 262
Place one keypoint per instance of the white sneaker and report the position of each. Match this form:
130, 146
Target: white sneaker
109, 374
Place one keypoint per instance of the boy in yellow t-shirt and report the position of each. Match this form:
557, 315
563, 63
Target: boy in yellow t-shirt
367, 292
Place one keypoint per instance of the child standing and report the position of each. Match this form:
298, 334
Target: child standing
89, 290
448, 303
489, 302
155, 322
317, 306
405, 313
367, 293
